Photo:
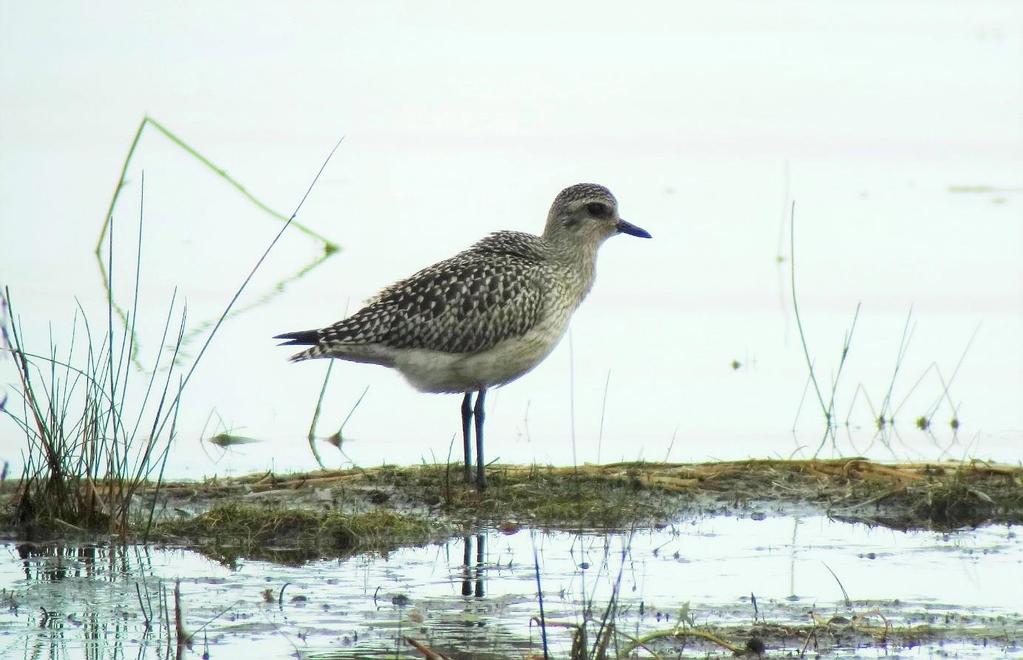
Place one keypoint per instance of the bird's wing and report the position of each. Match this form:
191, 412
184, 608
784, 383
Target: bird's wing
462, 305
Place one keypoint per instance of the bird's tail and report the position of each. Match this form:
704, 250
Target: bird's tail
322, 345
302, 338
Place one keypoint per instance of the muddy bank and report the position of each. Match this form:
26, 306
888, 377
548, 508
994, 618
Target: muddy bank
335, 513
343, 509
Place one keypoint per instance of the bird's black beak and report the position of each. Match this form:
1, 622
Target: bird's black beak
631, 229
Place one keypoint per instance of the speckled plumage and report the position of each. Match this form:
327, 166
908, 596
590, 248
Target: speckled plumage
487, 315
468, 303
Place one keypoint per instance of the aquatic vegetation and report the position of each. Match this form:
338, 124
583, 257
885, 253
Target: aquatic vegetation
89, 446
104, 261
91, 441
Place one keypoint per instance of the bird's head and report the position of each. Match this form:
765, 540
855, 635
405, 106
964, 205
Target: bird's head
586, 214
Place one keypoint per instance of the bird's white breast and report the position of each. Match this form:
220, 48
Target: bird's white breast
434, 371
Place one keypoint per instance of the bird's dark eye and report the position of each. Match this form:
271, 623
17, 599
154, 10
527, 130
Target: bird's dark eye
598, 210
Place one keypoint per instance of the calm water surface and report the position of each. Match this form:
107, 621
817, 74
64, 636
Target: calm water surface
478, 595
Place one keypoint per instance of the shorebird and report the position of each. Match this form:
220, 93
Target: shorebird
484, 317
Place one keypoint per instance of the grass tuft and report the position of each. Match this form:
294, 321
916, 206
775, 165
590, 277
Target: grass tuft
89, 449
92, 442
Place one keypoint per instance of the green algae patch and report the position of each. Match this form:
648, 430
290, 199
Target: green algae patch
280, 533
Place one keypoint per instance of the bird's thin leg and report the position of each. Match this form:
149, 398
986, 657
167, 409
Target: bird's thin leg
466, 426
481, 476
